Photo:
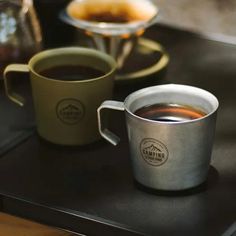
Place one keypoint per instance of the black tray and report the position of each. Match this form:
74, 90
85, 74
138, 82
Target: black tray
90, 190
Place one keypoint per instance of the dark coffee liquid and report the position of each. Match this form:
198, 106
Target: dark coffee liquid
71, 72
169, 112
108, 17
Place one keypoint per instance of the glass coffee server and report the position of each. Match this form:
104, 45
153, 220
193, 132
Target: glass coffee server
20, 32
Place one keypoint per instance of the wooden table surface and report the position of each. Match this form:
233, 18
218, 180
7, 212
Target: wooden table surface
15, 226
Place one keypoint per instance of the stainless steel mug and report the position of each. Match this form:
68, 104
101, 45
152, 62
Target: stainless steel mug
167, 155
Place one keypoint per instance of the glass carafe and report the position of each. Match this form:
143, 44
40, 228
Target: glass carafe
20, 33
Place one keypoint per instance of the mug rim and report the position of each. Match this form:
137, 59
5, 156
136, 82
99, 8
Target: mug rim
73, 50
165, 86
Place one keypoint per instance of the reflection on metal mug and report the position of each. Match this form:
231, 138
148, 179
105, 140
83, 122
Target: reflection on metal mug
171, 130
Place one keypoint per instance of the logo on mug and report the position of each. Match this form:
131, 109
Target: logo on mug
70, 111
154, 152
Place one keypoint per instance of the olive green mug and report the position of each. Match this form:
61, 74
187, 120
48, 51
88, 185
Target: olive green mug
65, 110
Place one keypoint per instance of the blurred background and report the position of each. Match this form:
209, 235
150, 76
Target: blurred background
216, 18
21, 34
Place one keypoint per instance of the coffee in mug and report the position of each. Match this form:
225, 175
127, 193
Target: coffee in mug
169, 112
71, 72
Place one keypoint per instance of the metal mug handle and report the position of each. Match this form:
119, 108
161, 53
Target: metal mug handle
105, 133
15, 97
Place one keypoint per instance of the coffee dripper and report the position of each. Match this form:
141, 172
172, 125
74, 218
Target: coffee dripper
114, 26
20, 32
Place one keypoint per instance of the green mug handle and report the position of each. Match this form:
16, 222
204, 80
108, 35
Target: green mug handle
15, 97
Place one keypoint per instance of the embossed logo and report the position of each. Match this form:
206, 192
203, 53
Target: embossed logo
70, 111
154, 152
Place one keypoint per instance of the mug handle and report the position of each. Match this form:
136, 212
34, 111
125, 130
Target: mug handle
105, 133
15, 97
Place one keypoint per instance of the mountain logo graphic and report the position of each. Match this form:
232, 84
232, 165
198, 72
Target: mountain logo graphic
70, 111
154, 152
